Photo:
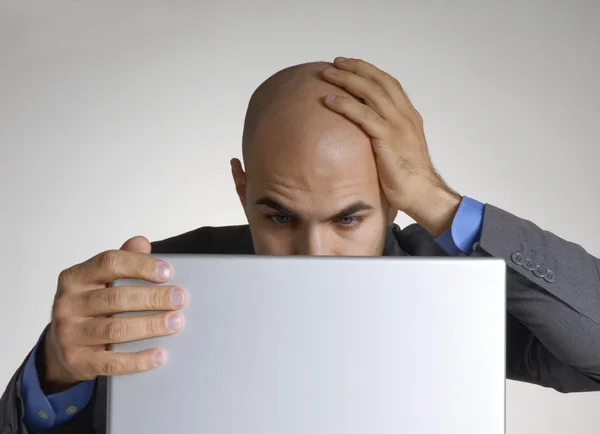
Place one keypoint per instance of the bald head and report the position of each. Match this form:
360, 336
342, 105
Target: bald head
294, 91
311, 184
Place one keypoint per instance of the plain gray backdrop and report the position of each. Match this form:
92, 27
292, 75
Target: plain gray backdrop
118, 118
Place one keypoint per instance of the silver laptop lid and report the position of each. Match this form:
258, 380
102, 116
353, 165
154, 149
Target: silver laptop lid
306, 345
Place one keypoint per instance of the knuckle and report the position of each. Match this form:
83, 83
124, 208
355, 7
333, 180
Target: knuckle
65, 278
157, 298
145, 266
115, 331
394, 81
113, 367
156, 326
381, 93
360, 63
113, 298
62, 308
110, 260
418, 118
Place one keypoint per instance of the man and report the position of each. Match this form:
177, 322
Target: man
331, 154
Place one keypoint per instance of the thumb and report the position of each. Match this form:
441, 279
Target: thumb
137, 244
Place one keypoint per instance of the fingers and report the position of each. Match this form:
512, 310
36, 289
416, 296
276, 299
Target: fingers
111, 265
390, 85
112, 330
116, 299
370, 72
137, 244
360, 113
370, 92
106, 363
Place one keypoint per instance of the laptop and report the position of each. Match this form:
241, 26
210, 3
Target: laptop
325, 345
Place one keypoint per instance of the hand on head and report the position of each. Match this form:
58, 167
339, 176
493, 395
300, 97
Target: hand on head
407, 176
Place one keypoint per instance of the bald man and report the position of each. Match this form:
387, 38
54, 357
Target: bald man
331, 155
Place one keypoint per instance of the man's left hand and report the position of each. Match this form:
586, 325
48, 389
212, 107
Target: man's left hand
406, 172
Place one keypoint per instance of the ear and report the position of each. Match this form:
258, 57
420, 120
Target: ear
239, 179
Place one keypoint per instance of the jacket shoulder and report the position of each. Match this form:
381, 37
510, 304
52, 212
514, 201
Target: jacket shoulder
208, 240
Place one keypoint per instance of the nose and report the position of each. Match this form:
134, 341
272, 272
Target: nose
314, 243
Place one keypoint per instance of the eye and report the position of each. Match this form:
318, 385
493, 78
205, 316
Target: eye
279, 219
350, 221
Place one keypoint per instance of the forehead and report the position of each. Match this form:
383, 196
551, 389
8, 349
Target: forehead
307, 153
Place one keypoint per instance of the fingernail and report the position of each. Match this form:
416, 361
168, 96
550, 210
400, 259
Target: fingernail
330, 70
330, 98
177, 297
173, 322
340, 59
158, 358
163, 271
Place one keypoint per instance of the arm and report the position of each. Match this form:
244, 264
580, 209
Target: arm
553, 289
51, 391
25, 407
553, 296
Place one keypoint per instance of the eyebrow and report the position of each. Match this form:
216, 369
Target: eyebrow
343, 213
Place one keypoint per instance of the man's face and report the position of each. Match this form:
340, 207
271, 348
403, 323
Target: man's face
311, 185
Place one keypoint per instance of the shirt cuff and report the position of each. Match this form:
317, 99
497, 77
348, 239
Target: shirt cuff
465, 230
43, 412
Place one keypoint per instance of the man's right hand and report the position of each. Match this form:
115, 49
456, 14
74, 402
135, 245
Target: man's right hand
82, 327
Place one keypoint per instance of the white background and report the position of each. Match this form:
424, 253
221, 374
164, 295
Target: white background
118, 118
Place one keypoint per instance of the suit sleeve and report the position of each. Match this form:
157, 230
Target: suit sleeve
553, 303
21, 397
43, 412
11, 407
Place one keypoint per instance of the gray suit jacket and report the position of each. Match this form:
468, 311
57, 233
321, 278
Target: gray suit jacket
553, 318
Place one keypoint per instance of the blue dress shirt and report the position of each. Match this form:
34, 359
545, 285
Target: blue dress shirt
43, 412
466, 228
